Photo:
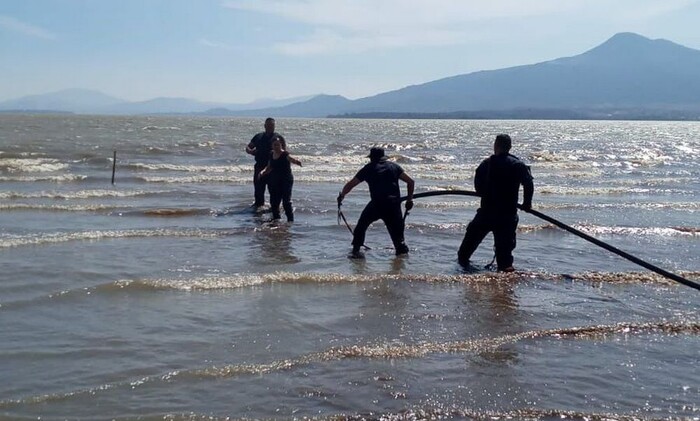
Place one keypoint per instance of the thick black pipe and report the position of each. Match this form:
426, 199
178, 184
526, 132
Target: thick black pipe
576, 232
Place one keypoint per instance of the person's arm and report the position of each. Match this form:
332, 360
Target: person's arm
480, 176
410, 185
293, 160
528, 188
347, 188
265, 172
250, 147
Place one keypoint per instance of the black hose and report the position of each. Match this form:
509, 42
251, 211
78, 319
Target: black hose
576, 232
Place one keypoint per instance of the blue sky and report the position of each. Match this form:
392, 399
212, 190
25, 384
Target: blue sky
242, 50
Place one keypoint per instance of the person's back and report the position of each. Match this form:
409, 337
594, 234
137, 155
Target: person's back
383, 179
498, 181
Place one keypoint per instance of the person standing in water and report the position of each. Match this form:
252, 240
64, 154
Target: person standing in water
280, 179
497, 181
260, 146
382, 176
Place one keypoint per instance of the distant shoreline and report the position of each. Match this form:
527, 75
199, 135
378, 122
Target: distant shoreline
525, 114
535, 114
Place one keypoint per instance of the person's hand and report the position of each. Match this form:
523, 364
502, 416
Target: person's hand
527, 206
340, 199
409, 205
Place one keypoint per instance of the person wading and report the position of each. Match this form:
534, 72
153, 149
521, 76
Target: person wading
382, 176
260, 146
281, 179
497, 181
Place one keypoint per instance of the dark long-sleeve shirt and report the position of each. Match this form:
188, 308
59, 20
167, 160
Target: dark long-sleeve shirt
498, 179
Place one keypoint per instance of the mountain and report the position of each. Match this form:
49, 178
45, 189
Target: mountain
628, 70
316, 106
94, 102
628, 73
67, 100
158, 106
628, 76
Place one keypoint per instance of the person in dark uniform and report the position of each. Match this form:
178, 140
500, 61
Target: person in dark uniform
382, 176
280, 179
260, 146
497, 180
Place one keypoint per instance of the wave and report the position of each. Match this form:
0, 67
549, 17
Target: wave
382, 351
586, 228
31, 165
606, 191
247, 280
81, 194
64, 178
56, 238
190, 168
151, 128
243, 280
635, 205
55, 208
432, 410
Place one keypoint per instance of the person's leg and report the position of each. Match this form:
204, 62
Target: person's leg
259, 186
275, 199
393, 219
369, 215
287, 200
504, 240
476, 231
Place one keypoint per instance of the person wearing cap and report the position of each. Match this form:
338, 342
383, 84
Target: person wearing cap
497, 180
260, 146
383, 177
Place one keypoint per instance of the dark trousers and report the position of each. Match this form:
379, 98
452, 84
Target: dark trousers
259, 185
390, 213
503, 228
281, 191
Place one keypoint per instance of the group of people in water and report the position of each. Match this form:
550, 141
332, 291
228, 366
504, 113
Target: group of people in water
497, 181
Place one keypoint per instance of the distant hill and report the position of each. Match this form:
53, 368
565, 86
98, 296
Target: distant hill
627, 75
67, 100
627, 71
318, 105
86, 101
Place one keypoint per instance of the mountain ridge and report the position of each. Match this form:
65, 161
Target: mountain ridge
626, 75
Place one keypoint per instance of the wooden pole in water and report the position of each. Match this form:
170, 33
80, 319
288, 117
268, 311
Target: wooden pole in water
114, 166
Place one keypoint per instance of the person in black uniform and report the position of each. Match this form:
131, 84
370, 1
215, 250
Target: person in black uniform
280, 180
497, 180
382, 176
260, 146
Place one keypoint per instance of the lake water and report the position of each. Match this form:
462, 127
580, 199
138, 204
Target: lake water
162, 297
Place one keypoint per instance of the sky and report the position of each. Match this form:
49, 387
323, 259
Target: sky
238, 51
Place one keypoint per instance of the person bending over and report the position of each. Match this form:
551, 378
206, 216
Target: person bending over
382, 176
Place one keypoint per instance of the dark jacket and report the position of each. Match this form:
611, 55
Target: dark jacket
498, 179
382, 176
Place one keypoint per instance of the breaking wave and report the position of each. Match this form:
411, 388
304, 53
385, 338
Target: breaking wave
81, 194
32, 165
242, 280
380, 351
56, 238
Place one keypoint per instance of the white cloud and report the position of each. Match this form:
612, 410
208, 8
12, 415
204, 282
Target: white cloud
353, 26
15, 25
214, 44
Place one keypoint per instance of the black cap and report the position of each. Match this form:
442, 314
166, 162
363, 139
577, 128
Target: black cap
376, 154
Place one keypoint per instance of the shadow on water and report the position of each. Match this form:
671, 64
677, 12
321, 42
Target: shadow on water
271, 243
